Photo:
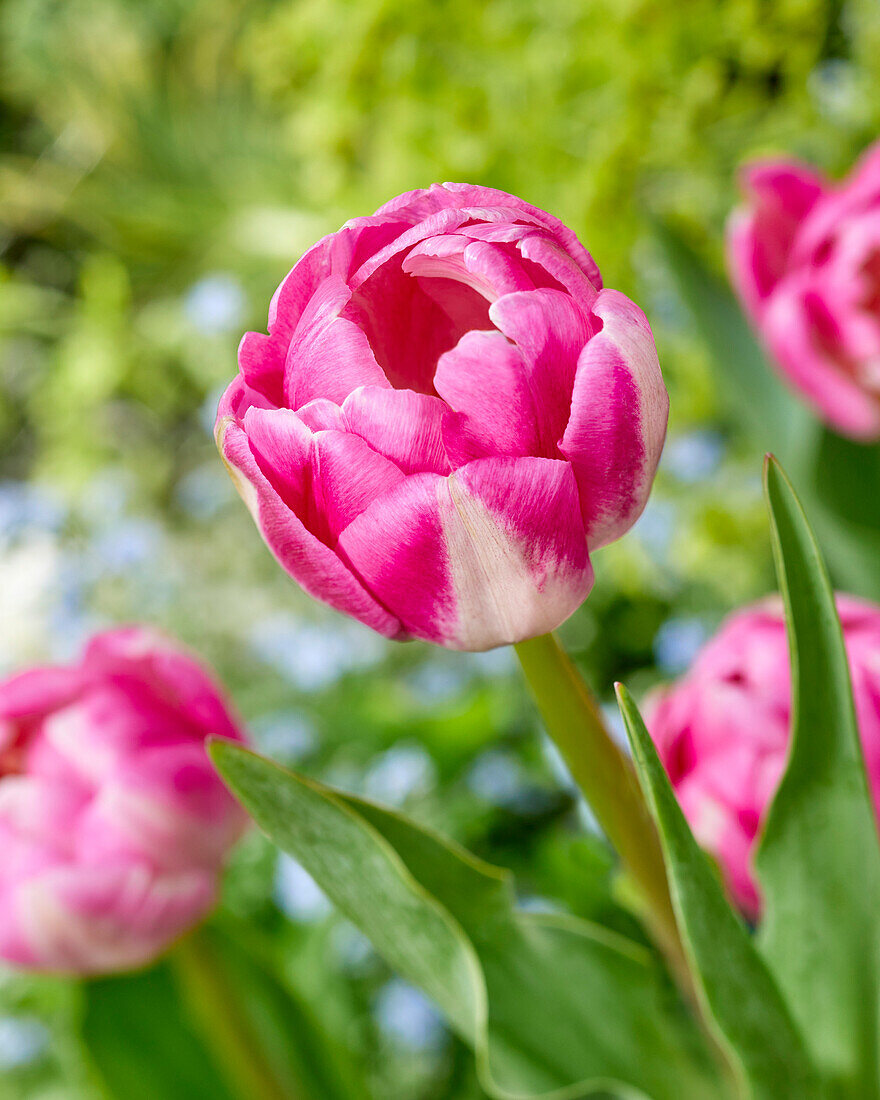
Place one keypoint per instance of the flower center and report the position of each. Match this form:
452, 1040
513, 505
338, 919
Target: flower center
411, 320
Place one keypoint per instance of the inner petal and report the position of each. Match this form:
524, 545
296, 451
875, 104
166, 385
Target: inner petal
410, 320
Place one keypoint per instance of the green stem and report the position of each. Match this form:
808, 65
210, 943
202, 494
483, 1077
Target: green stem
222, 1021
606, 776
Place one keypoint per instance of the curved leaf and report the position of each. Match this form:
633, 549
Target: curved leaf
753, 1021
819, 859
553, 1007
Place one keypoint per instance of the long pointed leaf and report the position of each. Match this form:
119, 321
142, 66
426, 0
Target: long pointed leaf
741, 997
819, 860
553, 1008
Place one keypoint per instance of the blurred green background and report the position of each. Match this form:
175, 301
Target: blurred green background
162, 164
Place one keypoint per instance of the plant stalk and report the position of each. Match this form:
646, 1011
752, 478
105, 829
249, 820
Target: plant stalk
224, 1025
605, 775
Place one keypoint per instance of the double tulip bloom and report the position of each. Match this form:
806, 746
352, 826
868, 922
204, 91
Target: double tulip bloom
805, 257
723, 730
447, 416
113, 824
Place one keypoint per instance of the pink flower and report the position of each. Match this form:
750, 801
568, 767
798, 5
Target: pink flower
447, 416
805, 257
113, 824
722, 730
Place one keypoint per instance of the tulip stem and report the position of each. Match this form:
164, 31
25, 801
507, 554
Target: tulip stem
606, 776
222, 1022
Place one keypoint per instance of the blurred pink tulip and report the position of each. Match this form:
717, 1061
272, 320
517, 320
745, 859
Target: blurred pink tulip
447, 416
804, 255
722, 730
113, 824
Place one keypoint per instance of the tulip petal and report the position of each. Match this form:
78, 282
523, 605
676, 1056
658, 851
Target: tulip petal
402, 425
551, 330
313, 564
329, 356
485, 381
799, 330
488, 556
618, 419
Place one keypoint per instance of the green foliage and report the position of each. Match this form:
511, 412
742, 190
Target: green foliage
819, 861
736, 986
554, 1007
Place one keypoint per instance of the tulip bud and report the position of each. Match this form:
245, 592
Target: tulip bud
447, 416
804, 255
722, 731
113, 823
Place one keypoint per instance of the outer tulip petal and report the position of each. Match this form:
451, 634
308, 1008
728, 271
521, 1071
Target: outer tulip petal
403, 425
760, 238
309, 561
618, 420
799, 330
551, 331
485, 381
329, 356
100, 919
491, 555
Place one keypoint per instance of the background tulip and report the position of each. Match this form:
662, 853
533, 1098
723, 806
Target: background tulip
113, 822
722, 730
805, 257
447, 416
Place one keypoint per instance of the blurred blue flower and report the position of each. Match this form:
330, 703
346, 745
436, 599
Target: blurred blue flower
838, 89
694, 456
406, 1015
497, 777
130, 542
25, 507
400, 772
22, 1040
296, 892
676, 643
285, 733
439, 681
655, 528
354, 952
202, 492
312, 656
215, 304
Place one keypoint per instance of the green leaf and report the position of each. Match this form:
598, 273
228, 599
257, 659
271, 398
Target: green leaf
552, 1006
819, 859
299, 1058
739, 993
141, 1042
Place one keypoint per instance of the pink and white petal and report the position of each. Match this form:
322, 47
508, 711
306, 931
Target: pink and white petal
619, 411
542, 249
486, 268
551, 330
488, 556
174, 676
762, 237
402, 425
793, 326
485, 382
347, 476
282, 446
36, 692
329, 355
314, 565
322, 415
101, 919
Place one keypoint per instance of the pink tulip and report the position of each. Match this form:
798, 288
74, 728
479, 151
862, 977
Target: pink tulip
722, 730
805, 257
113, 824
447, 416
